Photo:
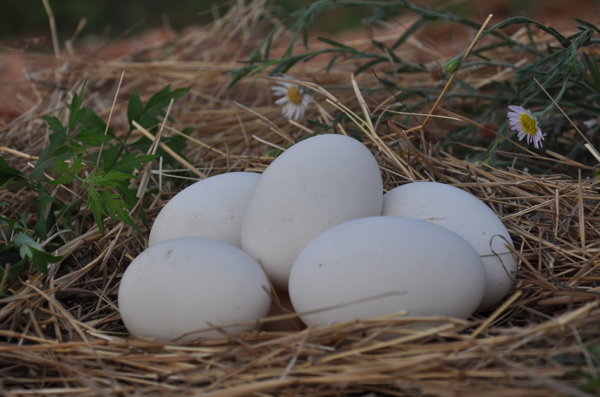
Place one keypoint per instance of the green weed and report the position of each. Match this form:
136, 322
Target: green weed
85, 158
564, 72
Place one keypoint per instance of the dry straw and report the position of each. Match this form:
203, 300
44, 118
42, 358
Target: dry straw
61, 334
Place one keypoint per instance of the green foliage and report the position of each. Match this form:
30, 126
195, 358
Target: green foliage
148, 116
299, 23
86, 158
564, 69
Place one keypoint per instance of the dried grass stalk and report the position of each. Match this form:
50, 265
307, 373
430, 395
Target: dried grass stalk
61, 335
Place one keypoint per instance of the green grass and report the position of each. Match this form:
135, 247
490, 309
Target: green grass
563, 75
85, 158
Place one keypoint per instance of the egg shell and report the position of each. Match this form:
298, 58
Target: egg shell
466, 215
212, 207
382, 265
316, 184
186, 284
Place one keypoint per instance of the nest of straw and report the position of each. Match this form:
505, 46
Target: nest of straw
61, 334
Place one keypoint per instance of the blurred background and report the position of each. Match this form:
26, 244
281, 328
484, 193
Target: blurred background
109, 19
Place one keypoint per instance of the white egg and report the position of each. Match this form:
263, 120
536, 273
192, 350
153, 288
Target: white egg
192, 283
316, 184
466, 215
212, 207
382, 265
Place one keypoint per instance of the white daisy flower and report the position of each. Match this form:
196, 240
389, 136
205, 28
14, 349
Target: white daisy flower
294, 99
526, 124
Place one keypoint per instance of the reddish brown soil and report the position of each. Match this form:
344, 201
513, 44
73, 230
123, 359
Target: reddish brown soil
17, 96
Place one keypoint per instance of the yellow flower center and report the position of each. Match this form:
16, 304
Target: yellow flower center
528, 124
294, 95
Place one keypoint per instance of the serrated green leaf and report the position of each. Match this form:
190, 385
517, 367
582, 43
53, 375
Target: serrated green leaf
54, 123
111, 204
76, 112
6, 171
61, 180
128, 195
91, 120
77, 164
157, 103
112, 178
132, 161
92, 137
110, 155
124, 217
60, 166
135, 107
57, 150
95, 204
46, 158
176, 143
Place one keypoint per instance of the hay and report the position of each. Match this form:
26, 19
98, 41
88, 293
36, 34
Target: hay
61, 334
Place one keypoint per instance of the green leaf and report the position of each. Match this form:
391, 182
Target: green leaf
518, 20
47, 156
142, 215
91, 120
26, 245
368, 65
111, 204
128, 195
110, 156
157, 103
111, 178
76, 112
135, 107
176, 143
54, 123
41, 259
61, 166
77, 164
116, 209
238, 74
45, 216
126, 219
92, 137
7, 172
61, 180
131, 162
587, 24
592, 65
95, 204
337, 44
